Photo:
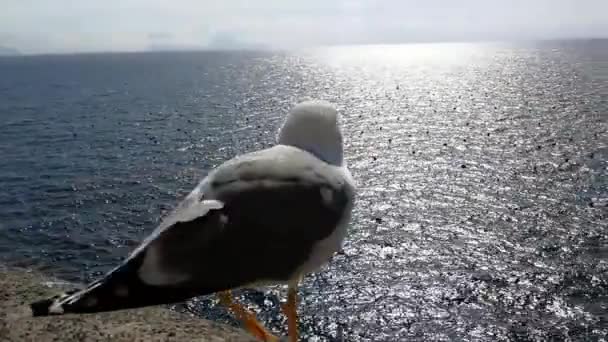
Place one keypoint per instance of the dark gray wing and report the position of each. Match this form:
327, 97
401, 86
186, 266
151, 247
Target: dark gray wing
275, 210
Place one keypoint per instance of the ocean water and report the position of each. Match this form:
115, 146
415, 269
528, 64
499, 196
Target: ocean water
482, 212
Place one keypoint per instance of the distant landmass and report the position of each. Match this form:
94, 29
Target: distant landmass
221, 40
231, 41
6, 51
216, 45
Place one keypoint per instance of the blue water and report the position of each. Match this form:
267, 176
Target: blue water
483, 200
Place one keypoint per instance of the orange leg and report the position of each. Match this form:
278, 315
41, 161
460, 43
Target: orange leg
291, 311
251, 323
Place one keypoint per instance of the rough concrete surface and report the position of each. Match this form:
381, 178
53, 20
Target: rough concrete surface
20, 287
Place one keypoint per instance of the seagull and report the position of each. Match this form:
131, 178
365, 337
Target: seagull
268, 217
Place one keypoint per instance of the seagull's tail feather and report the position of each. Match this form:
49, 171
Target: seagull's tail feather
120, 289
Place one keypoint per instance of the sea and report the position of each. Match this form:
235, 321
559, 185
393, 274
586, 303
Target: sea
482, 172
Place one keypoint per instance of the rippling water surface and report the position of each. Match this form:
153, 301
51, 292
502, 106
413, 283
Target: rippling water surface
483, 204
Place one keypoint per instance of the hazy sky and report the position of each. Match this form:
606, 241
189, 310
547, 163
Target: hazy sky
35, 26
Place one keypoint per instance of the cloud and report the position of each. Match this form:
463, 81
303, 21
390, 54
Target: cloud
160, 36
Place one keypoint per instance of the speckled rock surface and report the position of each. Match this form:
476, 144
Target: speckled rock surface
18, 288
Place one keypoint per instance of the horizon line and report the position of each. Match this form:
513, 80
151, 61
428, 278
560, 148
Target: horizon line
194, 49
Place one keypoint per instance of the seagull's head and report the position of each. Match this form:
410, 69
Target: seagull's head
314, 126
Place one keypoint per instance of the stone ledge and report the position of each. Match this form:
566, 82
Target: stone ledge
20, 287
